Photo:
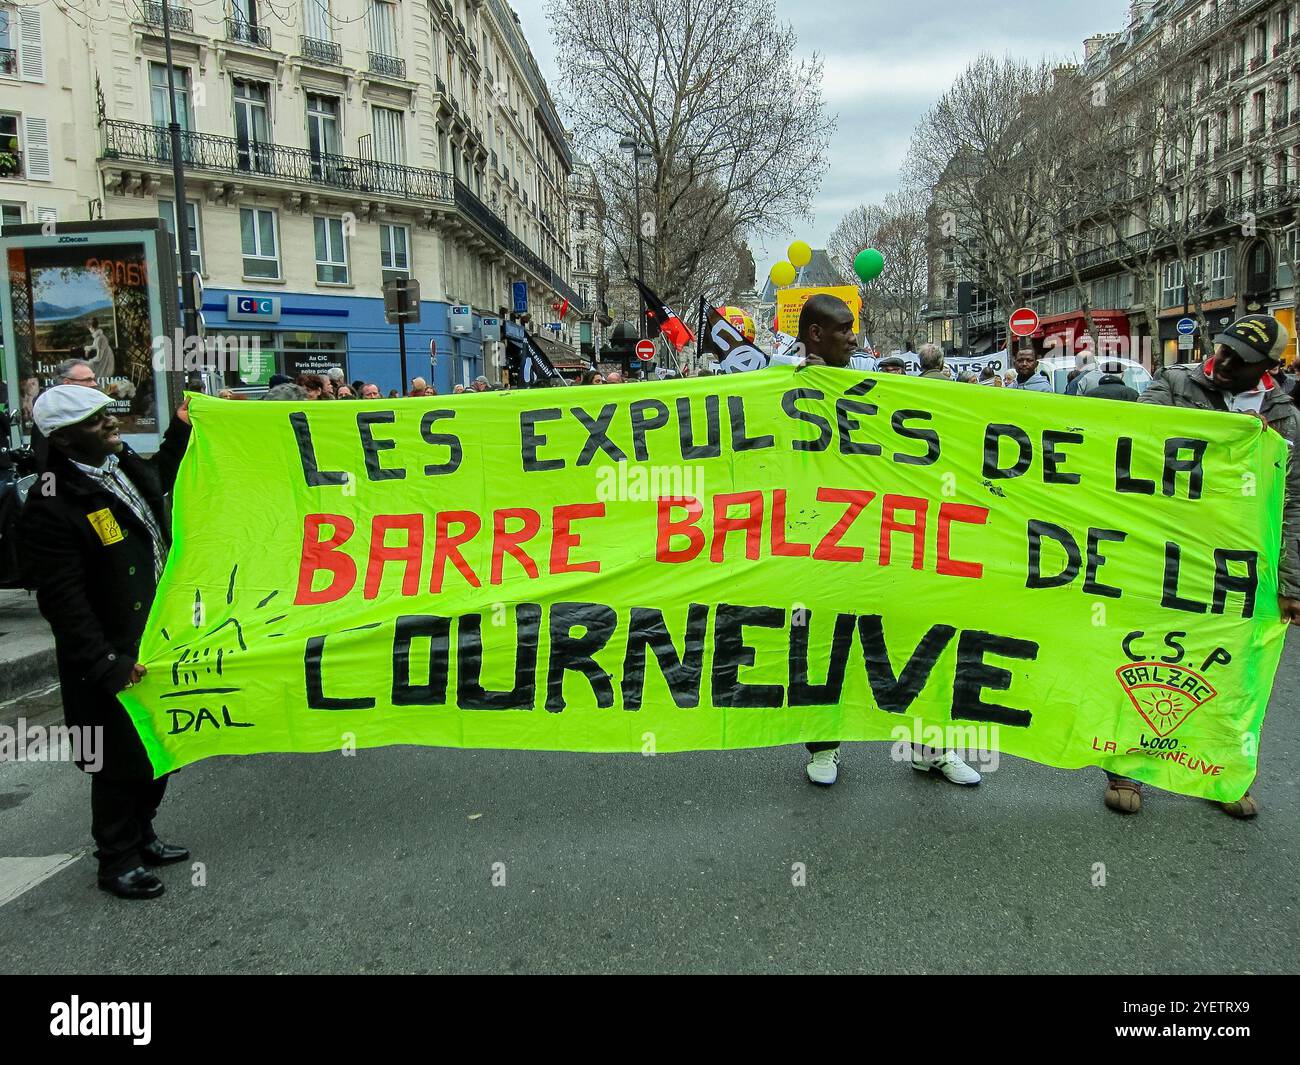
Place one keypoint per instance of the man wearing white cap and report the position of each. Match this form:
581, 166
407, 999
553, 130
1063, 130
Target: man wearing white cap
95, 539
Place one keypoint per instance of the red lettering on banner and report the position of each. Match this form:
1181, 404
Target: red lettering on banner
688, 526
507, 543
751, 524
965, 514
781, 547
889, 525
563, 540
448, 547
410, 553
829, 550
318, 554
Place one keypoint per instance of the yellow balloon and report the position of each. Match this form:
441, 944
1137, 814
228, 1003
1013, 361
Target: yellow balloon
783, 274
800, 254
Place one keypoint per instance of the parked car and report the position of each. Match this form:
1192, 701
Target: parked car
1058, 368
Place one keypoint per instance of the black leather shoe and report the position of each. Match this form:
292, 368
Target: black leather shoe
138, 883
160, 853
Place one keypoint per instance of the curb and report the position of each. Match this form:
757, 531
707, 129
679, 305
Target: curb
26, 674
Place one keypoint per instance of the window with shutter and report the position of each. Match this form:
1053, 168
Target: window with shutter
31, 51
36, 148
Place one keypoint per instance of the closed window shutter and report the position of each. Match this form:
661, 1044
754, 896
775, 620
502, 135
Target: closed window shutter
46, 214
36, 148
30, 50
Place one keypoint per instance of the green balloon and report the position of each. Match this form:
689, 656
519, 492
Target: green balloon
868, 264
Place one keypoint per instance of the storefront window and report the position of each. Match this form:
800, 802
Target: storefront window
290, 353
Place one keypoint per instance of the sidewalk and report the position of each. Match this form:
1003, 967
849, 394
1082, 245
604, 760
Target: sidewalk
26, 645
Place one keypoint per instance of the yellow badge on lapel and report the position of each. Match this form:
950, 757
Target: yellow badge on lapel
106, 526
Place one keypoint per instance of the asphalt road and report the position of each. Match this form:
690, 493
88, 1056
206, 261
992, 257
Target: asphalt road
385, 862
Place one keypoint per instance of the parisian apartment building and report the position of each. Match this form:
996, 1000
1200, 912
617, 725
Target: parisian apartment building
1237, 176
328, 146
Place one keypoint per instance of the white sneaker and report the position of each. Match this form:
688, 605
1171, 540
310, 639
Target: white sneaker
949, 764
823, 767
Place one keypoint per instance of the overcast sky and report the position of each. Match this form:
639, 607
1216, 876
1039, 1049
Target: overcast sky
886, 64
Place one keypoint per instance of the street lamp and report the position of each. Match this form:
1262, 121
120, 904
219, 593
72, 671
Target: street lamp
188, 302
639, 151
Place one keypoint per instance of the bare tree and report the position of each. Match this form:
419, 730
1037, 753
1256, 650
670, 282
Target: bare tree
737, 134
973, 153
891, 304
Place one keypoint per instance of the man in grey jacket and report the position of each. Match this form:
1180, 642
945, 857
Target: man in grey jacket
1237, 378
932, 364
1027, 375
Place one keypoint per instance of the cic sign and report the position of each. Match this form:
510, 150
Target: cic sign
251, 308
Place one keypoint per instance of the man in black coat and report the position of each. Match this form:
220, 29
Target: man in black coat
94, 537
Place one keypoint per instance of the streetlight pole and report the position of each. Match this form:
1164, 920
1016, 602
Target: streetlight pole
639, 151
178, 178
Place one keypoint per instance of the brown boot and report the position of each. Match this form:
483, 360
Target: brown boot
1244, 808
1123, 796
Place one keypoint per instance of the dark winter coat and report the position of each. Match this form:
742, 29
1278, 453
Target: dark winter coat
1112, 386
1186, 385
96, 595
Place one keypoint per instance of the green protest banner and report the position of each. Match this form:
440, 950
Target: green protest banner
740, 561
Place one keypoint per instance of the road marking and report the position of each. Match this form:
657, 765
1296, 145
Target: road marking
30, 695
20, 875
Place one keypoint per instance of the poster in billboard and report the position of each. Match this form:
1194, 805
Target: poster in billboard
85, 300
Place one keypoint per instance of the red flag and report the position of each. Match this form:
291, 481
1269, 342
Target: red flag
561, 308
670, 326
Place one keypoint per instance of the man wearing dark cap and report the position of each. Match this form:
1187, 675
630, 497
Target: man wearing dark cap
892, 364
96, 542
826, 338
1238, 377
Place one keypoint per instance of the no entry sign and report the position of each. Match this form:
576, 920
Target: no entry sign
645, 350
1024, 322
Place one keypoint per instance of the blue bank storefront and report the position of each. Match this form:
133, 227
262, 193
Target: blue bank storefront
292, 333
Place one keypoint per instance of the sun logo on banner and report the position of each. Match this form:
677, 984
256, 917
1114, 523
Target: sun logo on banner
1164, 695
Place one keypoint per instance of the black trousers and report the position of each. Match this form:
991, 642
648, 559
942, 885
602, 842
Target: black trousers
121, 820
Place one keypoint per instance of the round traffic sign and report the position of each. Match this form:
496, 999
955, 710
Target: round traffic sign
645, 350
1024, 322
1186, 326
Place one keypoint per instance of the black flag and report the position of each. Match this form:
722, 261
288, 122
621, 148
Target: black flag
529, 365
727, 344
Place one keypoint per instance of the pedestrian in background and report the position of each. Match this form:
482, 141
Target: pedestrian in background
932, 364
370, 391
1027, 376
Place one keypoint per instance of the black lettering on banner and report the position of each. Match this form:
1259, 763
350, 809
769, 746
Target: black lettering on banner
712, 447
316, 697
1175, 464
823, 439
470, 693
731, 654
1124, 479
846, 424
1169, 597
1073, 556
598, 434
576, 653
993, 437
316, 477
1096, 560
740, 440
801, 692
643, 422
448, 440
371, 447
531, 440
1053, 460
1126, 645
894, 694
411, 627
899, 424
1172, 642
647, 631
974, 674
1225, 581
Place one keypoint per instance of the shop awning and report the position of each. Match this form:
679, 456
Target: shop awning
1064, 330
562, 356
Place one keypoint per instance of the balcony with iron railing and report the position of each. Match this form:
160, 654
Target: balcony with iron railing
8, 62
179, 18
237, 29
283, 166
318, 51
390, 66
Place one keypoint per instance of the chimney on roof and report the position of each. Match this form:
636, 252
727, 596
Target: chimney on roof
1093, 45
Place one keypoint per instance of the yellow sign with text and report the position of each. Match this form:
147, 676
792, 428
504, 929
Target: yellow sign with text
790, 301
